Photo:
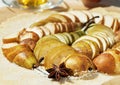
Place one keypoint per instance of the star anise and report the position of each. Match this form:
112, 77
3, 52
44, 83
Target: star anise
57, 72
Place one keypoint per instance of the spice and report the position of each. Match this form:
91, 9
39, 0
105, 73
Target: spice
57, 72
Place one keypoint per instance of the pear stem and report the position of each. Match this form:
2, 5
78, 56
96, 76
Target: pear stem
41, 59
88, 23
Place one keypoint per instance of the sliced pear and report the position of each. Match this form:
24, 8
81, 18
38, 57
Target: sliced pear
15, 50
51, 27
78, 63
28, 34
80, 15
29, 42
115, 25
116, 46
83, 47
105, 38
45, 30
74, 26
10, 38
19, 54
108, 20
55, 55
119, 22
62, 27
25, 59
100, 28
89, 15
45, 21
36, 30
60, 17
92, 38
74, 35
6, 48
61, 38
80, 33
41, 42
47, 47
12, 50
58, 28
69, 37
94, 46
48, 57
72, 17
43, 47
104, 42
69, 25
65, 27
66, 38
109, 39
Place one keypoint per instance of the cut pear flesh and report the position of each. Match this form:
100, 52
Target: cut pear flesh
104, 43
92, 38
95, 48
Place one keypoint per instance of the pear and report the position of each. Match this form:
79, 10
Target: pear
11, 52
62, 18
78, 62
94, 39
105, 63
108, 62
62, 38
51, 28
27, 34
75, 36
99, 28
44, 21
8, 48
95, 48
109, 38
72, 59
116, 46
10, 38
26, 59
72, 17
29, 42
110, 19
116, 56
41, 41
44, 45
104, 42
104, 33
47, 47
21, 55
69, 37
93, 45
83, 47
36, 30
57, 54
82, 17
